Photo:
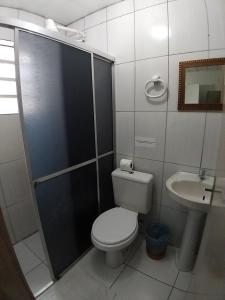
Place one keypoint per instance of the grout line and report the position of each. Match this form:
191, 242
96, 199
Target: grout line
176, 276
164, 111
207, 19
11, 161
95, 131
170, 293
41, 263
160, 56
107, 33
24, 243
135, 10
167, 107
203, 140
149, 276
161, 161
126, 263
204, 132
134, 88
117, 277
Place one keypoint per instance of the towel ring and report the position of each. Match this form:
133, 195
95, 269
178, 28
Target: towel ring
155, 80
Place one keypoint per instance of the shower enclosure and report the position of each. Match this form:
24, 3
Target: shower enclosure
66, 109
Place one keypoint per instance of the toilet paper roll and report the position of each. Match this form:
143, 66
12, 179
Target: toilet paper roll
126, 165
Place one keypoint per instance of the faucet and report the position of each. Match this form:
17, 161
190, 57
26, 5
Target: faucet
202, 175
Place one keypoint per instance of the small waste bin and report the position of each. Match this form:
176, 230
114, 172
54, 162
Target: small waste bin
157, 237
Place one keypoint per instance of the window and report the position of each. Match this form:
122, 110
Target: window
8, 93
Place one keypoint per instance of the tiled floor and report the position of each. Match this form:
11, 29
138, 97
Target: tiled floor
140, 278
33, 263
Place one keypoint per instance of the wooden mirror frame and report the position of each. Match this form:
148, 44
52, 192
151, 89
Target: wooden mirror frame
182, 106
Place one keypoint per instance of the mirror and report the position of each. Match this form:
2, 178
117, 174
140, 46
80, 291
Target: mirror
201, 85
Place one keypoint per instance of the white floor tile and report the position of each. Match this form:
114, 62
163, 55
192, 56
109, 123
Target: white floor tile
134, 285
183, 280
26, 258
93, 263
78, 284
177, 295
163, 270
34, 243
39, 279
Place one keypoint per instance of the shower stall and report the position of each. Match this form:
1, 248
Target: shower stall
65, 96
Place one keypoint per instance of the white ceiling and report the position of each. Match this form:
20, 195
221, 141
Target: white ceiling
62, 11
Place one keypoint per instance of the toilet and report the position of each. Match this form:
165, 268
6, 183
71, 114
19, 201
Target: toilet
117, 228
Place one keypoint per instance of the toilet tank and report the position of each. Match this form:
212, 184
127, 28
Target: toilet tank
133, 191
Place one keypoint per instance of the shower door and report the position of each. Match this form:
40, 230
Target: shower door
60, 132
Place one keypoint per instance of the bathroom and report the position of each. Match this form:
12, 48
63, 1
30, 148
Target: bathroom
114, 58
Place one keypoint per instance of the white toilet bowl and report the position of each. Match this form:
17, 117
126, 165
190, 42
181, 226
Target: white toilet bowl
113, 231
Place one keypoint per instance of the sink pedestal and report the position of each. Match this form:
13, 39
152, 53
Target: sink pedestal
190, 241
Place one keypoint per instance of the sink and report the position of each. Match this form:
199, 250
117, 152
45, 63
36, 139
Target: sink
195, 194
189, 190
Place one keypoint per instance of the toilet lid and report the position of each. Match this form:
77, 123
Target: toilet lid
114, 225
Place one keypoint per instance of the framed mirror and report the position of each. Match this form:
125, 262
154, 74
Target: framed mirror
201, 85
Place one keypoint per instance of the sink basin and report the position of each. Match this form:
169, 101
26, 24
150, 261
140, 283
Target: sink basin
187, 189
195, 194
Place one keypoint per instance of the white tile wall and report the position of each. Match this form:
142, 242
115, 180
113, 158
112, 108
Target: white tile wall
124, 86
6, 34
22, 218
217, 53
185, 131
212, 140
95, 18
140, 4
79, 25
15, 182
155, 168
150, 135
96, 37
10, 133
120, 9
125, 133
188, 26
15, 194
121, 38
216, 23
140, 40
8, 225
151, 32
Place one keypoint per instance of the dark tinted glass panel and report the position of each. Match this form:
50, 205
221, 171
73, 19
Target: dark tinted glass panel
103, 99
57, 100
106, 166
68, 206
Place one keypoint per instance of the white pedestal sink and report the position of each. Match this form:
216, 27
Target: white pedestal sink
195, 194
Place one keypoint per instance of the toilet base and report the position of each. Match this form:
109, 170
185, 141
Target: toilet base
114, 259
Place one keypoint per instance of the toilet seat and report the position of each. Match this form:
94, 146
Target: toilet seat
115, 227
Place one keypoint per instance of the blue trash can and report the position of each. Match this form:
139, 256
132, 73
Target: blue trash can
157, 237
